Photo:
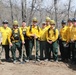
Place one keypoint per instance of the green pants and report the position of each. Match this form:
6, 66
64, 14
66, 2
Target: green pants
74, 52
31, 44
15, 46
55, 50
52, 48
6, 48
26, 48
64, 50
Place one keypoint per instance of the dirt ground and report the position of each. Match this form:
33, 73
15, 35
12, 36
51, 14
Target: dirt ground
38, 68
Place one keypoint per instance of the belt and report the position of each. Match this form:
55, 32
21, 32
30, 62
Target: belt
26, 38
15, 41
42, 39
63, 41
50, 40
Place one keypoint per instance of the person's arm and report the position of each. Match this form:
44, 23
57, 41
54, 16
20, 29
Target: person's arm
21, 36
9, 37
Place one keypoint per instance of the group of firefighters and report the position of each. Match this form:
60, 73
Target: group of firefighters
46, 38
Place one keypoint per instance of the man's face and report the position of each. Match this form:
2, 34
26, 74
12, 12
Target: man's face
63, 25
69, 23
47, 23
34, 23
43, 25
52, 26
5, 25
74, 23
23, 24
15, 26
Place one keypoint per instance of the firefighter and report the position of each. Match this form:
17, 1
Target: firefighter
5, 44
33, 32
14, 38
70, 25
42, 41
63, 41
48, 22
26, 39
73, 41
46, 28
52, 45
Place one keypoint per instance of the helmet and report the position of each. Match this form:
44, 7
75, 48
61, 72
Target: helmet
70, 20
34, 19
52, 22
5, 22
23, 21
15, 22
48, 19
74, 19
43, 23
63, 22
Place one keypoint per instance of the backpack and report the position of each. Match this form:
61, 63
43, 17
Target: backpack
16, 36
54, 34
53, 30
24, 34
31, 28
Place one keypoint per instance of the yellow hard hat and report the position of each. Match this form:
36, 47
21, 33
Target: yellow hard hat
52, 22
15, 22
48, 19
34, 19
43, 23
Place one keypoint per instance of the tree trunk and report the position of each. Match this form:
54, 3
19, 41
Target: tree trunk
75, 13
23, 3
69, 8
11, 10
55, 6
31, 12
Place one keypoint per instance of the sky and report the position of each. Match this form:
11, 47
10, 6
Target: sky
47, 3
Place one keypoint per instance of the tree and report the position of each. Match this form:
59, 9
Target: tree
69, 5
31, 11
55, 6
11, 10
23, 3
75, 13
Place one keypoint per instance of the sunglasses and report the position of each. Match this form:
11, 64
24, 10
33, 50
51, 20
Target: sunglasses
5, 22
52, 24
43, 24
15, 25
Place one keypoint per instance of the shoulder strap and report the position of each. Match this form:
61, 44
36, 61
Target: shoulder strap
30, 28
12, 31
38, 28
48, 32
18, 31
53, 30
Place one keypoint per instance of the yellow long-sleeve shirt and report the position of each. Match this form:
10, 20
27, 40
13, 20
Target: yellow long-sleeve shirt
68, 32
43, 33
24, 29
73, 34
15, 31
63, 34
51, 36
5, 32
34, 30
47, 27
